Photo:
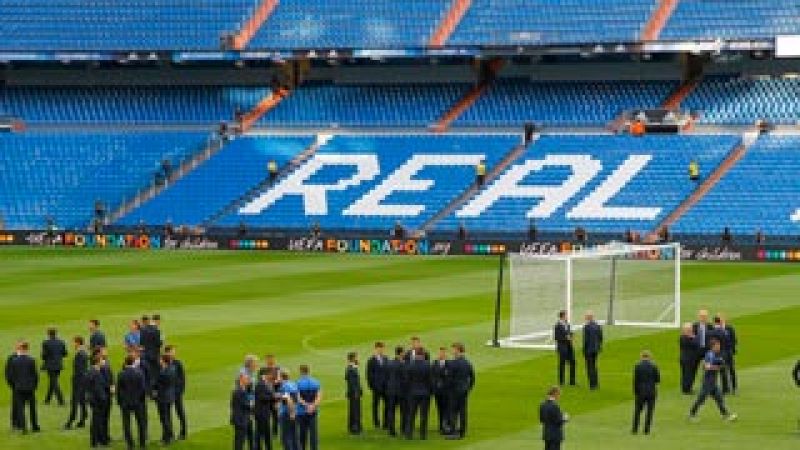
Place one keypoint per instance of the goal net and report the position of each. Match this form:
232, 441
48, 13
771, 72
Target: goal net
621, 284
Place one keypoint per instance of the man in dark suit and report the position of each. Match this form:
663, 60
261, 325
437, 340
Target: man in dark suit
796, 373
108, 383
264, 402
354, 392
15, 426
54, 350
80, 367
419, 385
552, 420
395, 390
376, 381
96, 337
562, 333
165, 398
702, 330
688, 357
462, 379
726, 334
180, 388
592, 345
416, 347
97, 393
441, 388
645, 381
24, 379
150, 340
240, 412
131, 395
272, 365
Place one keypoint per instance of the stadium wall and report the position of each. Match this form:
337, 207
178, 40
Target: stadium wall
372, 245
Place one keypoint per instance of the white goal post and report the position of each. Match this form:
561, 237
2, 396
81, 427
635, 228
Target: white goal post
621, 284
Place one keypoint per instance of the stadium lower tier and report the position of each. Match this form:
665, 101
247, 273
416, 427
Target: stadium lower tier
603, 183
59, 176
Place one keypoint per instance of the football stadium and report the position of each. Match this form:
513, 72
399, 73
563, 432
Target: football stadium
376, 224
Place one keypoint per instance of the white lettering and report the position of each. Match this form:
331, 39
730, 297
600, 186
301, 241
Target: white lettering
584, 168
315, 200
401, 180
594, 205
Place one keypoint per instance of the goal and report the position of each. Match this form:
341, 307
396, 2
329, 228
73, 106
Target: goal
621, 284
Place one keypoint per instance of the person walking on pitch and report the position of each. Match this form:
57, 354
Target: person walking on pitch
645, 386
712, 363
54, 350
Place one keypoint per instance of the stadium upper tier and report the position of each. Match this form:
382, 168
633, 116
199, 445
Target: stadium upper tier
60, 175
351, 24
545, 22
761, 191
114, 25
37, 25
739, 19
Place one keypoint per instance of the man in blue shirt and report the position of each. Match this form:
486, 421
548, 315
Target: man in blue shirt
132, 337
309, 397
712, 363
287, 412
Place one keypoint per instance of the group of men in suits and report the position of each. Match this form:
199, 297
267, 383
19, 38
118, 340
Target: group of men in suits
712, 345
592, 346
695, 343
646, 377
267, 403
147, 372
402, 388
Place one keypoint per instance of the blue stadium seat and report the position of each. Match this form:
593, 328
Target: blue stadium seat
512, 102
61, 174
392, 151
545, 22
740, 19
325, 104
238, 167
741, 101
128, 104
362, 24
760, 191
114, 25
661, 183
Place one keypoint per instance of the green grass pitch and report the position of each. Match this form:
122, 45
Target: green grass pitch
219, 306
